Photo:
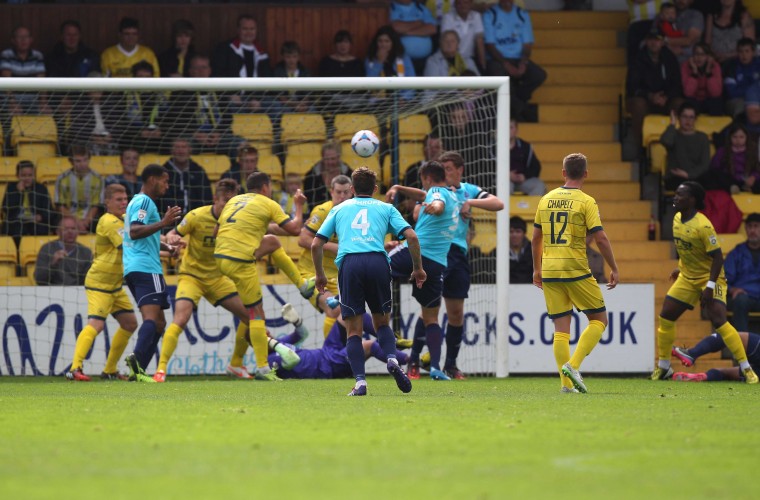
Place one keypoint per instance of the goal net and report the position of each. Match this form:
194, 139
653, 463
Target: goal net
296, 130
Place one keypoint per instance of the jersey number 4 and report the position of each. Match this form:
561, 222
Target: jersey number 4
361, 222
558, 221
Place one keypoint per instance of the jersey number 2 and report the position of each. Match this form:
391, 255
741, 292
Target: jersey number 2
360, 221
241, 205
556, 219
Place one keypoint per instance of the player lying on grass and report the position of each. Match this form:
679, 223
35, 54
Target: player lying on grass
331, 360
715, 343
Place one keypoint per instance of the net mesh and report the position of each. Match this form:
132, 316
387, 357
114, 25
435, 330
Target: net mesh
293, 135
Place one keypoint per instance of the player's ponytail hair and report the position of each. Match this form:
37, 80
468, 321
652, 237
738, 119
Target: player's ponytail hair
364, 181
697, 191
575, 165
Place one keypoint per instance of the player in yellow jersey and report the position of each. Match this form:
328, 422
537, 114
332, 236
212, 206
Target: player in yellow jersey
105, 294
200, 277
241, 228
699, 278
340, 191
560, 266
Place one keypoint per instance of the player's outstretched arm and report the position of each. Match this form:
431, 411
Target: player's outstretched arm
491, 203
605, 248
418, 274
293, 226
139, 231
410, 192
537, 246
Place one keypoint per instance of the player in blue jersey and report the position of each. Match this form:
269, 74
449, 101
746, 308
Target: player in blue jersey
142, 264
364, 275
715, 343
436, 227
456, 278
331, 360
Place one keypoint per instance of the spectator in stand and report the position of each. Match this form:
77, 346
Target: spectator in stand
120, 59
735, 166
70, 57
21, 60
509, 42
439, 8
175, 61
465, 134
688, 148
742, 267
432, 147
692, 24
92, 120
448, 61
247, 163
703, 81
468, 24
203, 114
130, 160
728, 24
189, 186
741, 73
26, 209
342, 62
143, 116
63, 262
317, 180
653, 84
386, 57
79, 191
416, 27
291, 67
520, 253
642, 14
285, 196
665, 22
524, 167
752, 110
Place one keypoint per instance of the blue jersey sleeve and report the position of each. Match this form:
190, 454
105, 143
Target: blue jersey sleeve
142, 212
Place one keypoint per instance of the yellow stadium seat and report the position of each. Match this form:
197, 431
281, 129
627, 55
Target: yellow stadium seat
151, 159
346, 125
36, 151
302, 127
214, 165
729, 241
48, 169
270, 164
747, 202
414, 128
355, 161
3, 187
485, 237
409, 153
87, 240
106, 165
8, 250
8, 168
301, 157
521, 206
654, 126
658, 157
33, 128
712, 124
28, 250
255, 128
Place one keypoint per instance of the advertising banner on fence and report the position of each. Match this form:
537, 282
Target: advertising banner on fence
40, 325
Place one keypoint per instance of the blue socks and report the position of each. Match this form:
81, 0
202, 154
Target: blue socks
355, 353
145, 347
712, 343
419, 341
387, 341
453, 343
434, 338
714, 375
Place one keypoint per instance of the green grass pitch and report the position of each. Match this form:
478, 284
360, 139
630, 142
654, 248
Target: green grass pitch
480, 438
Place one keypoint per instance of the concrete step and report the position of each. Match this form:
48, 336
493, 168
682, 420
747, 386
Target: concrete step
637, 270
557, 132
613, 191
585, 20
618, 231
611, 56
585, 38
595, 151
641, 251
576, 113
586, 75
526, 206
577, 94
606, 171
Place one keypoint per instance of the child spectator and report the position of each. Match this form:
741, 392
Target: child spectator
291, 67
285, 196
665, 23
735, 166
703, 81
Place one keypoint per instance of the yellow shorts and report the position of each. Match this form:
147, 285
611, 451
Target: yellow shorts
245, 277
584, 294
214, 290
101, 304
689, 291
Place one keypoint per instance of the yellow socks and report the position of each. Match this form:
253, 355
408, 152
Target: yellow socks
241, 345
118, 345
168, 345
730, 337
666, 335
589, 338
259, 342
329, 322
84, 344
287, 266
562, 355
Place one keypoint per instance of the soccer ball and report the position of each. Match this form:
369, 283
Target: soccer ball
365, 143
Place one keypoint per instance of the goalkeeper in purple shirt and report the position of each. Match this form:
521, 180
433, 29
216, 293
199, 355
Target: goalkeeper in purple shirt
331, 360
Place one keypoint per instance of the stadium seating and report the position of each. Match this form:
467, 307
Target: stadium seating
729, 241
255, 128
301, 157
271, 165
414, 128
28, 250
485, 237
302, 127
747, 202
409, 153
106, 165
712, 124
150, 159
346, 125
8, 168
49, 168
214, 165
8, 258
3, 187
87, 240
34, 136
355, 161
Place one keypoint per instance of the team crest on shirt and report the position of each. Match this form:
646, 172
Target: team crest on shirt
183, 223
120, 232
314, 219
713, 240
436, 196
141, 214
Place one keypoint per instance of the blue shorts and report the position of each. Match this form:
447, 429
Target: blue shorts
430, 293
148, 289
456, 278
364, 278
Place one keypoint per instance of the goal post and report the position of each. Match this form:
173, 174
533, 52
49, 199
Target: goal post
290, 147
